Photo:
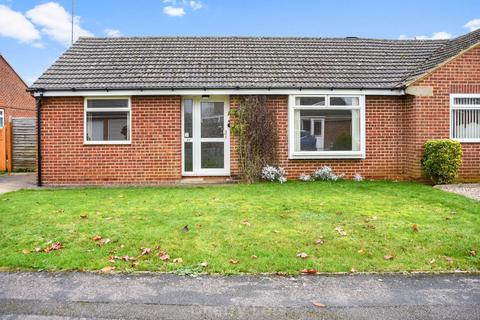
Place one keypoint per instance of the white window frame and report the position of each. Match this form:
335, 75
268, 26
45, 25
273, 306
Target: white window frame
2, 117
325, 154
86, 109
453, 106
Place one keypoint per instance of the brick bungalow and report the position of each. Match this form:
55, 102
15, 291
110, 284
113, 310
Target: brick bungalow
15, 101
144, 110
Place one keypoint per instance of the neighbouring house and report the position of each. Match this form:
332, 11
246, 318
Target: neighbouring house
142, 110
15, 100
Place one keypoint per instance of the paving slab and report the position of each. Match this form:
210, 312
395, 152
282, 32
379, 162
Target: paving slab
16, 181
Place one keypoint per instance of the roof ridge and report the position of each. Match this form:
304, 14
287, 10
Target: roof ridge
347, 38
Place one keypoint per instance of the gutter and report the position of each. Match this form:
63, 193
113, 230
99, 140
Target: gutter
39, 140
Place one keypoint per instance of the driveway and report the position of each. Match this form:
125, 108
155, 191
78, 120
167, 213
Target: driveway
16, 181
26, 295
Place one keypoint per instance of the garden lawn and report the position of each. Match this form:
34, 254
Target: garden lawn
243, 228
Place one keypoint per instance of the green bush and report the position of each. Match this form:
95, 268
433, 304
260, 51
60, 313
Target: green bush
442, 159
343, 141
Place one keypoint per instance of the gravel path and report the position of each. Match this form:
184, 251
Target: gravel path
470, 190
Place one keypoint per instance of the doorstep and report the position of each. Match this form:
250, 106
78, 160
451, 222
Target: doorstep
206, 180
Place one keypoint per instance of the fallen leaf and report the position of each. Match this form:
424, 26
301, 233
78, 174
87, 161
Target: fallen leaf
135, 263
163, 255
309, 271
253, 256
185, 229
414, 227
318, 304
319, 241
340, 231
146, 251
107, 269
472, 253
353, 270
276, 231
38, 249
178, 260
83, 216
56, 246
302, 255
113, 258
203, 264
233, 261
388, 257
449, 260
432, 261
103, 242
339, 213
96, 238
246, 223
25, 251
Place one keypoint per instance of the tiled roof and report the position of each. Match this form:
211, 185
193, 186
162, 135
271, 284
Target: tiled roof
246, 62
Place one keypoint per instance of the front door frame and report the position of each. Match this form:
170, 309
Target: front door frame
196, 140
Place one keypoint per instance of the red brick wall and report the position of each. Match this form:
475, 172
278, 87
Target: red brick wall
14, 98
153, 156
428, 117
384, 141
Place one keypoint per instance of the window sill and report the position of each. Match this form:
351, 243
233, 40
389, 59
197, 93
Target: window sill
467, 140
327, 155
107, 143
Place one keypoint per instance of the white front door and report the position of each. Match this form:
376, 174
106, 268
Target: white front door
205, 136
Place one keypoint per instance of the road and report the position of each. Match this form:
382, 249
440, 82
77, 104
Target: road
42, 295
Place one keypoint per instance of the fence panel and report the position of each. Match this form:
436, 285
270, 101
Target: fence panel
24, 143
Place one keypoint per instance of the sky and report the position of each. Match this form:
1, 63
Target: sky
34, 33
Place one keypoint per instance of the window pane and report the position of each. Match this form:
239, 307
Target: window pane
1, 118
212, 155
107, 103
467, 101
107, 126
329, 130
188, 157
212, 119
310, 101
187, 118
344, 101
466, 124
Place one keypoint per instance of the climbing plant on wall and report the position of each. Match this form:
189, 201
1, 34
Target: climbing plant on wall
254, 125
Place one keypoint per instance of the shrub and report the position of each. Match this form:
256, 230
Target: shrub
357, 177
305, 177
441, 160
254, 125
326, 174
343, 141
271, 173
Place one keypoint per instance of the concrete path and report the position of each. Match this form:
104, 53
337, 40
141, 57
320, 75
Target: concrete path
164, 296
16, 181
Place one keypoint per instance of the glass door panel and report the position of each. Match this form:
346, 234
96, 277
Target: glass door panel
205, 136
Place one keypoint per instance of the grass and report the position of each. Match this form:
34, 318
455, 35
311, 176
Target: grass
284, 220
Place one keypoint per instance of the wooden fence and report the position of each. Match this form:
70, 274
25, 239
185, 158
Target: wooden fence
18, 145
6, 147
